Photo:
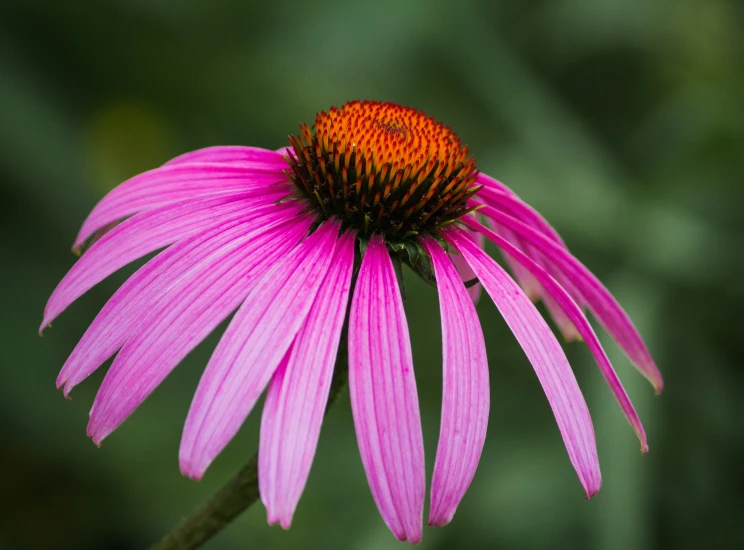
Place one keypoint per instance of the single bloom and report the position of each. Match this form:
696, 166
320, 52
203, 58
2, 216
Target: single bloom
305, 241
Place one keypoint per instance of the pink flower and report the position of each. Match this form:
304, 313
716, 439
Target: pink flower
290, 240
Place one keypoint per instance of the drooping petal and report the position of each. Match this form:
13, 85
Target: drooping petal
598, 299
528, 283
176, 182
465, 393
230, 154
562, 321
145, 233
466, 272
182, 317
298, 393
252, 347
130, 304
497, 194
575, 315
383, 393
492, 183
506, 201
531, 286
547, 358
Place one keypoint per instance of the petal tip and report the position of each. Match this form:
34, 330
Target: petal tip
439, 520
189, 465
95, 432
412, 536
64, 386
416, 538
188, 470
285, 522
413, 539
592, 491
440, 514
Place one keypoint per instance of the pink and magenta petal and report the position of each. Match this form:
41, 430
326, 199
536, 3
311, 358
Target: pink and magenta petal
249, 352
182, 317
492, 183
384, 400
506, 201
575, 315
230, 154
598, 299
298, 393
510, 203
528, 283
547, 358
466, 272
465, 392
142, 234
177, 182
132, 302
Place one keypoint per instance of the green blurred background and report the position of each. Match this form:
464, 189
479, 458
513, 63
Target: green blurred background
621, 120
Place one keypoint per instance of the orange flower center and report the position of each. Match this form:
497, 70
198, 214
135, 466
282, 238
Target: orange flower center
383, 168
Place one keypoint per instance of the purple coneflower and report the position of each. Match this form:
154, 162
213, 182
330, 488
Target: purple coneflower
288, 239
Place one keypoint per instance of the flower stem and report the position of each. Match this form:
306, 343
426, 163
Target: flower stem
242, 490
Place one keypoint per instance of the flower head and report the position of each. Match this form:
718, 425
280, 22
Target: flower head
292, 240
383, 169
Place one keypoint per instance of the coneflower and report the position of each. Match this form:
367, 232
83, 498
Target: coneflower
293, 240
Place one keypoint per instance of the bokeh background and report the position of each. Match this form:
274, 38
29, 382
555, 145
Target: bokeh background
621, 120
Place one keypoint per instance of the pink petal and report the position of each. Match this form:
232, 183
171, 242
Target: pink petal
598, 299
575, 315
384, 401
547, 358
562, 321
465, 394
466, 272
125, 309
140, 235
298, 393
506, 201
182, 317
531, 286
176, 182
491, 183
252, 347
528, 283
230, 154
